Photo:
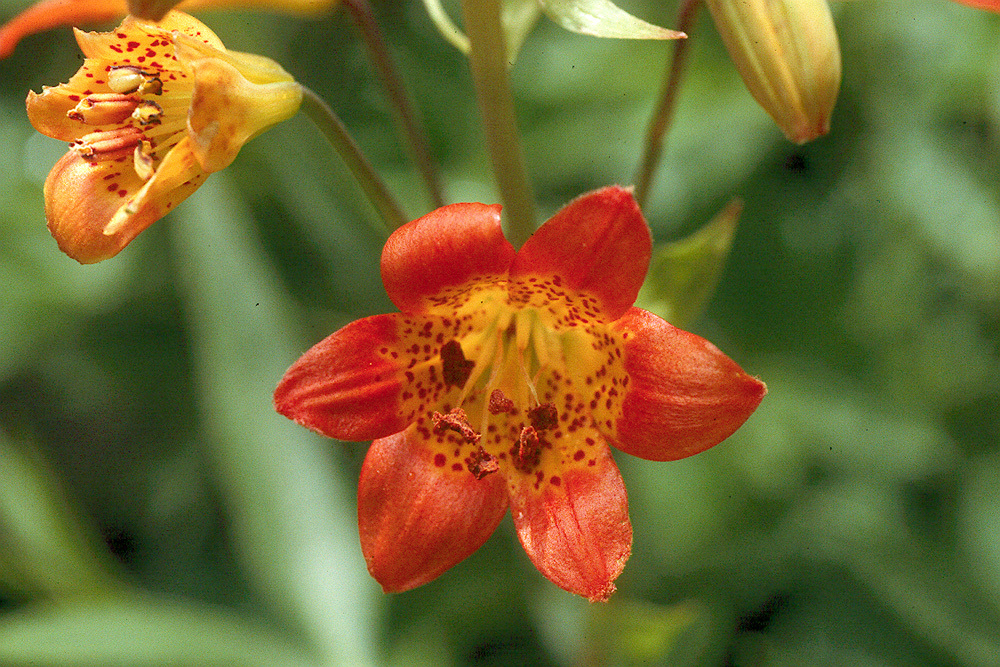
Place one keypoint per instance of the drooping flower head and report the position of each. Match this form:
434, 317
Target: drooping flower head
503, 382
152, 111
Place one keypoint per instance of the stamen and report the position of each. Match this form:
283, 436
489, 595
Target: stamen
148, 113
500, 403
456, 420
142, 159
103, 109
528, 451
482, 463
128, 79
543, 417
108, 144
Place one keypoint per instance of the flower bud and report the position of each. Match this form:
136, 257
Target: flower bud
789, 58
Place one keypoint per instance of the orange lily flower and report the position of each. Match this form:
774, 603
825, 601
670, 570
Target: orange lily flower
501, 384
154, 109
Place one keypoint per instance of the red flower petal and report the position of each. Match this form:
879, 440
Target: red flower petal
342, 387
599, 243
577, 533
417, 519
988, 5
447, 247
684, 395
50, 14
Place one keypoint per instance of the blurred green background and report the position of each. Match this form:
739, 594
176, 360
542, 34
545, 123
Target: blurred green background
154, 510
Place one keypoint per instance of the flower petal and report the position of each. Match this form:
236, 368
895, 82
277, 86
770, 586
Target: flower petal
599, 243
227, 110
344, 387
49, 14
81, 196
418, 519
447, 247
684, 395
175, 179
988, 5
576, 532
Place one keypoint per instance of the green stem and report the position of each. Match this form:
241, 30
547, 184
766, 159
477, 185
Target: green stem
368, 179
488, 63
406, 118
663, 115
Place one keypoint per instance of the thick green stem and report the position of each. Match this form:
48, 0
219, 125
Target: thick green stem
663, 115
368, 179
488, 62
407, 121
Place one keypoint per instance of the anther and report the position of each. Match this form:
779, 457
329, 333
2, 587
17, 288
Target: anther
456, 420
500, 403
128, 79
527, 452
543, 417
103, 109
108, 144
482, 463
142, 159
148, 113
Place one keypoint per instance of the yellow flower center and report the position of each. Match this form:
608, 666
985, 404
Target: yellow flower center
521, 377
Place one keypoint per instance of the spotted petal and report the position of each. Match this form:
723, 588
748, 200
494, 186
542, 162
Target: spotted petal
447, 247
684, 395
598, 243
576, 532
416, 519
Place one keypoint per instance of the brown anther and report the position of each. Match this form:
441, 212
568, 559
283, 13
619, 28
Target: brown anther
456, 369
500, 403
103, 109
148, 113
107, 144
143, 160
543, 417
128, 79
456, 420
482, 463
527, 452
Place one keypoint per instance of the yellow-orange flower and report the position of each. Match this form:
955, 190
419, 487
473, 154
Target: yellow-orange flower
154, 109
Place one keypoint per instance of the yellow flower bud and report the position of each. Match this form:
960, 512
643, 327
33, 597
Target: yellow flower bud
789, 58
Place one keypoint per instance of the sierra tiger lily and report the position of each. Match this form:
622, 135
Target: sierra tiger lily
153, 110
501, 384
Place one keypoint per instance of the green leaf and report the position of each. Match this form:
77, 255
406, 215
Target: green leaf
602, 18
633, 632
294, 527
683, 274
44, 548
144, 630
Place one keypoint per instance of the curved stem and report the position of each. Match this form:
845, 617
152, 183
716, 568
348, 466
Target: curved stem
368, 179
488, 62
406, 118
663, 115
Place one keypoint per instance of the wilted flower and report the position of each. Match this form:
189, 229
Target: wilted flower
501, 384
152, 111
